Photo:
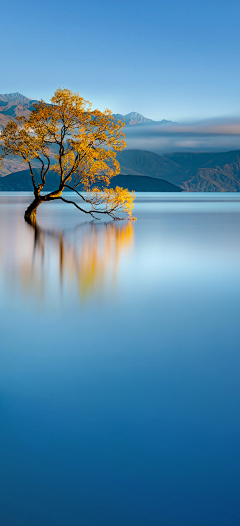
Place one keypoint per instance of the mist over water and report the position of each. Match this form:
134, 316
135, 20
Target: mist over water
119, 364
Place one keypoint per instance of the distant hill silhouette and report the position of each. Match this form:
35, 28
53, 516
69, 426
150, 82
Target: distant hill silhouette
143, 184
21, 181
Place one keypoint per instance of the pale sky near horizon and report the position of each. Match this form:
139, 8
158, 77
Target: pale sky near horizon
166, 59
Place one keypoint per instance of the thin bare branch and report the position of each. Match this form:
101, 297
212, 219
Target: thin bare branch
79, 208
32, 176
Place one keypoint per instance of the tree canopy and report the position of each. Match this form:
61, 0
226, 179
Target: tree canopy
80, 145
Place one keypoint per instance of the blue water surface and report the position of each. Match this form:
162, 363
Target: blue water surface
119, 364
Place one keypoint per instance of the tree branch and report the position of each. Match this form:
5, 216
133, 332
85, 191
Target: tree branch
79, 208
48, 166
32, 175
41, 174
80, 195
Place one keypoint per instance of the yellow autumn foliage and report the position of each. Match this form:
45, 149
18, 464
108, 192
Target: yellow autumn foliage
83, 143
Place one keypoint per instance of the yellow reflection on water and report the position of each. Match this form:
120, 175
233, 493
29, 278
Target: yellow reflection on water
84, 259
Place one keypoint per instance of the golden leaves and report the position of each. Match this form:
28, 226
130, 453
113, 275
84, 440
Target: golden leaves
78, 143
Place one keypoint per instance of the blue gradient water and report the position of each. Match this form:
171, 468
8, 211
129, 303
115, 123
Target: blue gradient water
119, 364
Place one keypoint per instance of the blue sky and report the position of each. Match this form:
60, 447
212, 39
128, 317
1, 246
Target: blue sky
166, 59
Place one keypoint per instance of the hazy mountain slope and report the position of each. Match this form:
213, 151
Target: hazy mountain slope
140, 162
14, 105
219, 179
195, 172
14, 164
21, 181
10, 165
224, 158
191, 162
209, 172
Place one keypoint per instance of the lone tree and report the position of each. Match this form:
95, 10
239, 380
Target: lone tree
78, 143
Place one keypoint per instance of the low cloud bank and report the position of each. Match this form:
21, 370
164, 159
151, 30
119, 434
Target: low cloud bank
206, 136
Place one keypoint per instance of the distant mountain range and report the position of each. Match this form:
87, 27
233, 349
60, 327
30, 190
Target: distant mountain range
192, 172
203, 172
14, 105
147, 171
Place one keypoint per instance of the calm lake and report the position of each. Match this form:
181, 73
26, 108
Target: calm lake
119, 364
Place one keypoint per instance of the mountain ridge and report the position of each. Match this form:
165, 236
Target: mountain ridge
133, 119
14, 97
14, 105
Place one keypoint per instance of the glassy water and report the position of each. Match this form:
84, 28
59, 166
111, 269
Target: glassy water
119, 364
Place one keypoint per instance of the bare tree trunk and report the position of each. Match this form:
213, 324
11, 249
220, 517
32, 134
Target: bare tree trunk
31, 212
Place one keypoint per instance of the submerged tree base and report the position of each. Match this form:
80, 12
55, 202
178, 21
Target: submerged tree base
102, 202
31, 212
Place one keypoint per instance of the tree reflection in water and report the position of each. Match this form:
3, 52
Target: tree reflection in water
85, 258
